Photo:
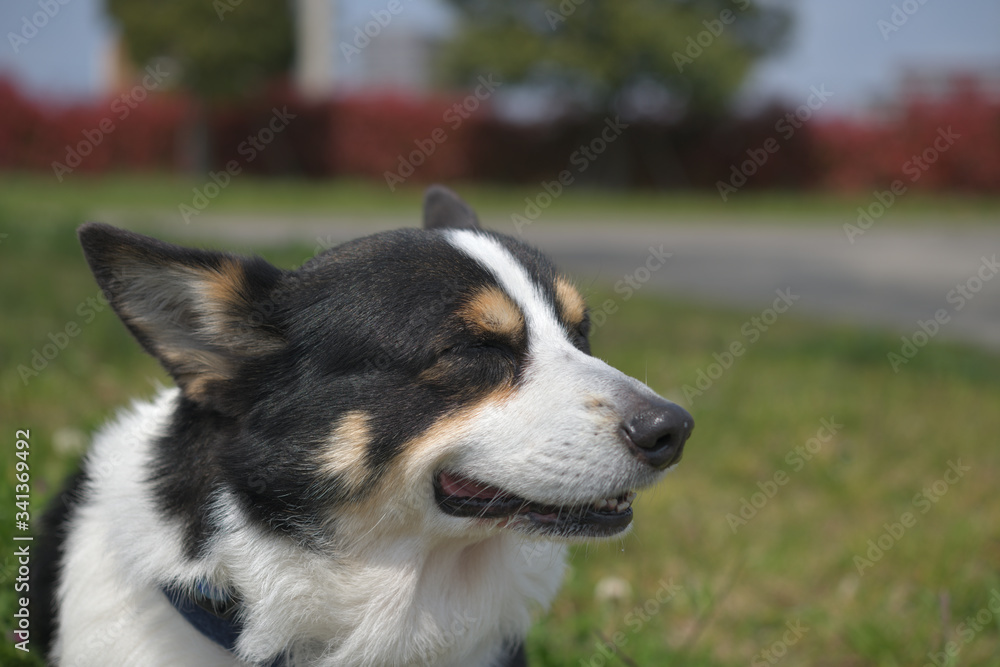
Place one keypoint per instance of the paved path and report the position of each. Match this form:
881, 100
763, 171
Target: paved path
890, 276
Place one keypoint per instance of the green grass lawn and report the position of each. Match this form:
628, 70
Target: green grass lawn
691, 585
144, 195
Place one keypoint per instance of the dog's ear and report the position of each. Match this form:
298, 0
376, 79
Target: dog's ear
200, 313
443, 209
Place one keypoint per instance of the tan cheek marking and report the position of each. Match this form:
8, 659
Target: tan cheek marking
429, 446
344, 456
571, 305
397, 497
492, 311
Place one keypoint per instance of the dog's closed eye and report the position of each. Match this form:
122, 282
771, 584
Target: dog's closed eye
473, 366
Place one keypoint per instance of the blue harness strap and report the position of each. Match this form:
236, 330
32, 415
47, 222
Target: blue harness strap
212, 612
215, 614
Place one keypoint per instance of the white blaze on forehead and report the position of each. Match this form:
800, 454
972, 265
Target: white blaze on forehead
561, 441
514, 279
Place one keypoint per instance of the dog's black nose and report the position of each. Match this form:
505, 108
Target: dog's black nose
656, 432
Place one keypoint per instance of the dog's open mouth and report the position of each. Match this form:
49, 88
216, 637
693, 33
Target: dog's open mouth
463, 497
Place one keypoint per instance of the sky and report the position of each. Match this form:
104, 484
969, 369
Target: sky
840, 44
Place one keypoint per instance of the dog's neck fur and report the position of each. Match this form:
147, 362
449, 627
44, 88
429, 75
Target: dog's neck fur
411, 603
411, 600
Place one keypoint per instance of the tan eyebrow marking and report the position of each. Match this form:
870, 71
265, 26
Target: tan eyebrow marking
490, 310
571, 305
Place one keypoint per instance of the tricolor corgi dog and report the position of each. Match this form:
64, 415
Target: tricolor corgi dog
375, 459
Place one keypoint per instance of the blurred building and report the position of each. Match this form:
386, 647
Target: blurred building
346, 45
314, 28
400, 59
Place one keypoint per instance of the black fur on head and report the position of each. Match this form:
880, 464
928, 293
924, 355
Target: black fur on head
270, 361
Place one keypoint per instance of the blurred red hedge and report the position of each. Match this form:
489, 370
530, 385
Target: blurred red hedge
418, 140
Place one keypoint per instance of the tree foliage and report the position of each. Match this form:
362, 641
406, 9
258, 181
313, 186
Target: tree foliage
690, 54
224, 48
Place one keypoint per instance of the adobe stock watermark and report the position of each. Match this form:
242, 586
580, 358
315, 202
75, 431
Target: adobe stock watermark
970, 627
248, 149
109, 633
580, 159
455, 115
365, 34
390, 353
958, 297
697, 44
449, 637
420, 320
30, 26
629, 284
566, 9
59, 339
913, 168
778, 649
121, 107
751, 330
636, 619
922, 502
786, 127
898, 18
796, 458
223, 7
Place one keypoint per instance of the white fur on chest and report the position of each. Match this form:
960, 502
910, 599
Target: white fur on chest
408, 602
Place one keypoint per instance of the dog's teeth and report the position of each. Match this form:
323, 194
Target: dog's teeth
615, 504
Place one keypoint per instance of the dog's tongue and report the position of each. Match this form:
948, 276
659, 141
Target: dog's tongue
459, 487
